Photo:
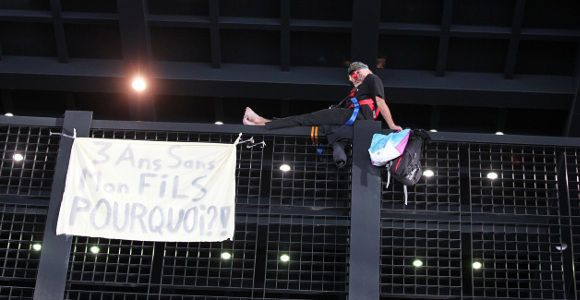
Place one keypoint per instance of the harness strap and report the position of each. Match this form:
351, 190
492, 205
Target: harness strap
320, 149
355, 111
371, 103
314, 134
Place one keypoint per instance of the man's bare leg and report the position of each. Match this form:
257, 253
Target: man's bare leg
252, 118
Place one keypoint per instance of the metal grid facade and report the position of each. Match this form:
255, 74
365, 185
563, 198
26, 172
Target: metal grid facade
436, 243
439, 193
513, 225
519, 261
24, 191
317, 244
314, 182
516, 226
33, 175
318, 250
527, 183
200, 264
573, 186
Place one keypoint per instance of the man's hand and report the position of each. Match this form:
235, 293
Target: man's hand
396, 127
386, 113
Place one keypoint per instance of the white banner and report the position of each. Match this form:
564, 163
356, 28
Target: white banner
149, 191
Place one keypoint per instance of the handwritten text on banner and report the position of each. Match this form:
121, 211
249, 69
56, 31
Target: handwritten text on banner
149, 190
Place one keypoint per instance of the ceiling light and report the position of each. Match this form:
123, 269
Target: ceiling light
226, 255
95, 249
477, 265
284, 258
37, 247
285, 168
18, 157
499, 133
492, 175
433, 130
138, 84
417, 263
562, 247
9, 114
219, 123
428, 173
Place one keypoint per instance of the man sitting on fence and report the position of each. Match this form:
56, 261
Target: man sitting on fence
365, 101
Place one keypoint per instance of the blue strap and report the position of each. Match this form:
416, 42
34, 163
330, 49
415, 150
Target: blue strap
354, 112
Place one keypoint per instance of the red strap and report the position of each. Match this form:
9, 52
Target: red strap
371, 105
398, 163
352, 93
368, 102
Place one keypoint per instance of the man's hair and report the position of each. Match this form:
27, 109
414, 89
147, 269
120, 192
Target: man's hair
357, 65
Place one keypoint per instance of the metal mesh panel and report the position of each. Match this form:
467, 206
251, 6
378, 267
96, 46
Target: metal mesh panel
314, 181
94, 295
201, 264
182, 265
32, 176
118, 261
576, 248
304, 214
20, 240
318, 263
10, 292
83, 295
181, 297
573, 166
317, 250
440, 192
526, 182
573, 176
436, 244
519, 261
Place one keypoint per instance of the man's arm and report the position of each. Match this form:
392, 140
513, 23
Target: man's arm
386, 113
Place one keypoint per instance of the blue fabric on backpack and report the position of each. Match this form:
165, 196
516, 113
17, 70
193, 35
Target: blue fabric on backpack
388, 147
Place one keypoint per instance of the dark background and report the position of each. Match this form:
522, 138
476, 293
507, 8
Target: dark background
464, 65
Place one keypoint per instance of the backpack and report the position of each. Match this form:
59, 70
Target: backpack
407, 168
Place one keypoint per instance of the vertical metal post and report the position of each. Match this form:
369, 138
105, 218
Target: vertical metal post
53, 265
365, 231
566, 226
466, 221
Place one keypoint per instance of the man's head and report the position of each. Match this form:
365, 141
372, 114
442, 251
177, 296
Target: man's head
357, 71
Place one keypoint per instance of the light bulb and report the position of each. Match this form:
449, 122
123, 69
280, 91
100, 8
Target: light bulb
138, 84
492, 175
417, 263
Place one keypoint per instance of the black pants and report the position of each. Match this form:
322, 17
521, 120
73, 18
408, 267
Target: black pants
331, 116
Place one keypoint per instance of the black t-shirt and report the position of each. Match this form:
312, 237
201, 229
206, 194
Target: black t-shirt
371, 87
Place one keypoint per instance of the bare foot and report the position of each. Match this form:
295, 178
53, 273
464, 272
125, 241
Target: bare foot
245, 121
253, 117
